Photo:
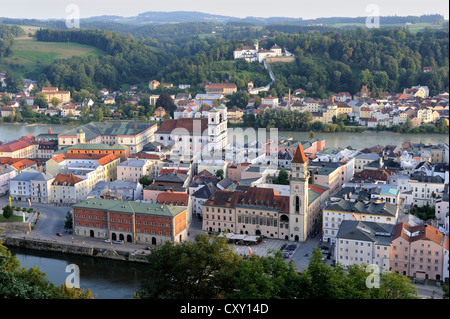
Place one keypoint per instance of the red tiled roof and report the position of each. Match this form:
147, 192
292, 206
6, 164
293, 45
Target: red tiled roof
173, 198
14, 146
378, 175
423, 232
317, 189
146, 156
107, 158
253, 196
204, 173
299, 156
184, 124
173, 170
17, 163
69, 179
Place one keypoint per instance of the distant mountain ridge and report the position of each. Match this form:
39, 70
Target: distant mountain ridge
161, 17
173, 17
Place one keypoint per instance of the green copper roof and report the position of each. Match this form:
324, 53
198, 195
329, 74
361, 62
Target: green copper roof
131, 207
312, 195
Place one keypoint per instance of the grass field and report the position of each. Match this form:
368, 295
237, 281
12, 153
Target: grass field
413, 28
28, 52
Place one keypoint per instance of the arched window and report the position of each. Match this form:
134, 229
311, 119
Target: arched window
297, 204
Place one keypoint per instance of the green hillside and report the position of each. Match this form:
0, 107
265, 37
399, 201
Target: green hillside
28, 54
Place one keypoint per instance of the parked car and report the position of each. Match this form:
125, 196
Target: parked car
107, 240
118, 242
59, 234
291, 247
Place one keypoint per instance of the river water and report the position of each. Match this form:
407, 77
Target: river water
107, 279
120, 280
332, 140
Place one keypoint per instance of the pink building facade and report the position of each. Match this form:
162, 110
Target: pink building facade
418, 251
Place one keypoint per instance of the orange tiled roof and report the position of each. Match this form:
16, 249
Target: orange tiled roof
423, 232
299, 156
17, 163
253, 196
14, 145
173, 198
107, 158
69, 179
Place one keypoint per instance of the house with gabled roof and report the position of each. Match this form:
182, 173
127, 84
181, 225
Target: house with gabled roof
418, 251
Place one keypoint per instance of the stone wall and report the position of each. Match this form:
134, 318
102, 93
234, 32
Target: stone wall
74, 249
17, 227
282, 59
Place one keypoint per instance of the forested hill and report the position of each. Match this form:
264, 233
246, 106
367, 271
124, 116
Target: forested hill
326, 62
383, 59
127, 60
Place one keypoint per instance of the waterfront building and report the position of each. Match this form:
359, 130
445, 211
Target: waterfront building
21, 148
130, 134
129, 221
190, 136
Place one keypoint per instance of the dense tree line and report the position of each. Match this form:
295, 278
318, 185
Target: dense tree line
209, 269
425, 18
7, 35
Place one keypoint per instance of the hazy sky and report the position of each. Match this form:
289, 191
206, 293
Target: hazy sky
44, 9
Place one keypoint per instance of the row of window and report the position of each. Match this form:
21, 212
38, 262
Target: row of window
413, 266
120, 220
261, 221
128, 229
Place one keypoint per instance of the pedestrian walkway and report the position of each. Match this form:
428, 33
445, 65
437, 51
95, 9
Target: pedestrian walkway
263, 249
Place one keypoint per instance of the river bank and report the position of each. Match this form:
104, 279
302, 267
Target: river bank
74, 249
